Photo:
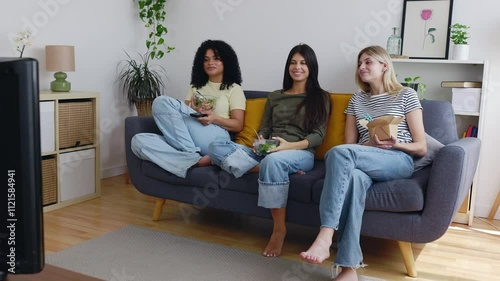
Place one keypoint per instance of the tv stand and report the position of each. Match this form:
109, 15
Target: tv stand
51, 273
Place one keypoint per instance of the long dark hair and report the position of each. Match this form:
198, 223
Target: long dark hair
316, 113
232, 72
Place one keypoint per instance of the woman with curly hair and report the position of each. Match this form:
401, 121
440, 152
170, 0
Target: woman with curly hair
296, 116
185, 136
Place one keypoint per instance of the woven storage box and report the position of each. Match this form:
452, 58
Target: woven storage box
49, 181
76, 123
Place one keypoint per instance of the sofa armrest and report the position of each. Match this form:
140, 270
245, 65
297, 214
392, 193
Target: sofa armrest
450, 179
133, 126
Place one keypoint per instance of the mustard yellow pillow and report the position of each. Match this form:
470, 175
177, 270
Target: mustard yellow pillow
336, 125
253, 116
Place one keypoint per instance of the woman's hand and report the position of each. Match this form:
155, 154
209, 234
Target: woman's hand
209, 119
385, 144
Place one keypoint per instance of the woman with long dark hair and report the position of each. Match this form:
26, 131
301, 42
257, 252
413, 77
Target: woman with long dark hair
185, 138
296, 116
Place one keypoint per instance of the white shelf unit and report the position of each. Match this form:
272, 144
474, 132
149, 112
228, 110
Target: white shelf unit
432, 73
77, 167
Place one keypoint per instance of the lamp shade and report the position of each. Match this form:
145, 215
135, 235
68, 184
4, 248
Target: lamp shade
60, 58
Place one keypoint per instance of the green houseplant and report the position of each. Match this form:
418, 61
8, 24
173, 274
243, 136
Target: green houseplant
152, 13
413, 83
459, 35
140, 80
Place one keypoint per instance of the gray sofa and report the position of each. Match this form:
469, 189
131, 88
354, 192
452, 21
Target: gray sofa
416, 210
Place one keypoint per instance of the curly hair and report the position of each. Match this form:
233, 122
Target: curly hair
232, 72
316, 113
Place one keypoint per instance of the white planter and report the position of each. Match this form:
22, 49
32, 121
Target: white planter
460, 52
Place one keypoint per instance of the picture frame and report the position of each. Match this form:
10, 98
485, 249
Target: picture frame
425, 28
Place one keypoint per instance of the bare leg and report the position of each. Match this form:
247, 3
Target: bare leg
320, 249
273, 248
204, 161
255, 169
347, 274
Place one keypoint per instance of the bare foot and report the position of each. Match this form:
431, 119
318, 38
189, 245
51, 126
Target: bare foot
347, 274
319, 250
255, 169
204, 161
273, 248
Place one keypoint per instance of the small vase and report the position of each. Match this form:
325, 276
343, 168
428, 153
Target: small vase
460, 52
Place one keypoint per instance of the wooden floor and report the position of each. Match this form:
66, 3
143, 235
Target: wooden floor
463, 253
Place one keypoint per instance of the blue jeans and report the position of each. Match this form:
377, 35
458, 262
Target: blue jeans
183, 141
274, 169
350, 171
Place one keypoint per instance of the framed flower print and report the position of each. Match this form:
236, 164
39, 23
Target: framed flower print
425, 30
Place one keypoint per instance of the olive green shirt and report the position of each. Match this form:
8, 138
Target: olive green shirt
279, 120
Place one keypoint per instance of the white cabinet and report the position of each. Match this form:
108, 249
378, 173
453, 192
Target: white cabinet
69, 125
432, 73
47, 126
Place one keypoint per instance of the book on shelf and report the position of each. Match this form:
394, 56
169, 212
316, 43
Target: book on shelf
461, 84
470, 132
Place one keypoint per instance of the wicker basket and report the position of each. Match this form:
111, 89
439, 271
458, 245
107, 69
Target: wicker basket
144, 107
49, 181
76, 123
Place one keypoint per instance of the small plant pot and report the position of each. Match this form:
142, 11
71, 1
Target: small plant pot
460, 52
414, 86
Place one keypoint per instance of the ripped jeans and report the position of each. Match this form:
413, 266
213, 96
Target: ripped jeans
275, 167
350, 171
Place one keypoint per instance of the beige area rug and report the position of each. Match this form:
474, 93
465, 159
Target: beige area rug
134, 253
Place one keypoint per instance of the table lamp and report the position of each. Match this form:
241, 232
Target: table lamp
60, 58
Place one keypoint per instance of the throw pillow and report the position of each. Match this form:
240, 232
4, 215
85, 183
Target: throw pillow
433, 147
336, 125
253, 116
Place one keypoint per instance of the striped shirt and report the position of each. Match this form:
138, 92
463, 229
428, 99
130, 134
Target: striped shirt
384, 104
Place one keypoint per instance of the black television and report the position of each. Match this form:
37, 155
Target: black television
21, 230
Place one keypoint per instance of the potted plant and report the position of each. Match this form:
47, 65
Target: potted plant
419, 87
141, 82
459, 36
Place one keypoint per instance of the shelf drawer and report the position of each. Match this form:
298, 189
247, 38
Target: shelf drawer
76, 123
49, 181
77, 173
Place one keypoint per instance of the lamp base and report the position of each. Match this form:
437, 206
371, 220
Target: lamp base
60, 84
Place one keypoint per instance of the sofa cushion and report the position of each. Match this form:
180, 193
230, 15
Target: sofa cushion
203, 177
433, 147
253, 115
393, 196
336, 125
300, 185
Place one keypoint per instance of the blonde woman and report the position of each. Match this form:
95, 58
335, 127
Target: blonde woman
353, 167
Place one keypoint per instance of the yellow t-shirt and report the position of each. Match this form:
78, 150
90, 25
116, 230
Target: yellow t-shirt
227, 100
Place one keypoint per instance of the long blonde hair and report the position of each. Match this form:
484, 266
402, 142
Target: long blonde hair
391, 84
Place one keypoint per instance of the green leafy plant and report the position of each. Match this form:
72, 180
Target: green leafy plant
413, 83
152, 13
139, 80
459, 34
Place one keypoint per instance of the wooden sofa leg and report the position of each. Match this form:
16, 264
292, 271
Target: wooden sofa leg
409, 260
160, 202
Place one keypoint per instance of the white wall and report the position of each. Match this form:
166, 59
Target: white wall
262, 32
